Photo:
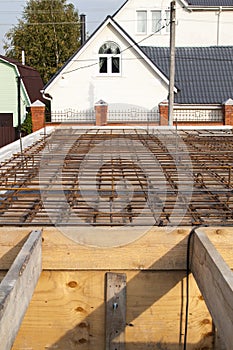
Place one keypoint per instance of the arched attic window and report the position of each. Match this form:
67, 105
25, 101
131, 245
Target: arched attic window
109, 59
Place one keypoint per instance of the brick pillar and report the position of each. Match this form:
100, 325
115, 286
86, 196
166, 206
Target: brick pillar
228, 112
38, 115
101, 113
163, 112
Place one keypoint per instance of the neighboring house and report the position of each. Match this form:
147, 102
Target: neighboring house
131, 76
20, 86
109, 67
198, 22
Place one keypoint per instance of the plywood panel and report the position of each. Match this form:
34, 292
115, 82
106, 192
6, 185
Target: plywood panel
68, 312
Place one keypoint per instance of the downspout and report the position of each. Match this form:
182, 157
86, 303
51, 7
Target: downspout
19, 114
48, 98
218, 25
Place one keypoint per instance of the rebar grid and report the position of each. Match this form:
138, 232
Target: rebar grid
116, 177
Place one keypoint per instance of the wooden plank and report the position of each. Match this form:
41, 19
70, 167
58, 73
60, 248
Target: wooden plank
17, 287
115, 311
215, 280
60, 252
155, 250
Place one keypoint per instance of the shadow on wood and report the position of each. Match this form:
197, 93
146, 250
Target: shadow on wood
8, 258
144, 290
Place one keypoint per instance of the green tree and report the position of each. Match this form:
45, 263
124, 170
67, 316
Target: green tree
49, 33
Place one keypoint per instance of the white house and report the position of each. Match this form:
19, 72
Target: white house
116, 65
198, 22
109, 67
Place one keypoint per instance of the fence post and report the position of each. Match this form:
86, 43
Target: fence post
101, 113
163, 112
38, 115
228, 112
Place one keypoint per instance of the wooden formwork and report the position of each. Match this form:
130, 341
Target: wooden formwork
130, 291
68, 308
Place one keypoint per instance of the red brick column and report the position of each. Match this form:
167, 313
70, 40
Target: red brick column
163, 112
228, 112
38, 115
101, 113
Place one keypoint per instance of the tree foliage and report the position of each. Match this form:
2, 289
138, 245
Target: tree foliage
48, 32
26, 127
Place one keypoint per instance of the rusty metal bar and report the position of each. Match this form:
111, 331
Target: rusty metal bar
119, 192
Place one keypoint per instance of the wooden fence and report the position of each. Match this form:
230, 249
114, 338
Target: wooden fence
7, 135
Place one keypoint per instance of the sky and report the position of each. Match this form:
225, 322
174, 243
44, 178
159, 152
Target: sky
95, 11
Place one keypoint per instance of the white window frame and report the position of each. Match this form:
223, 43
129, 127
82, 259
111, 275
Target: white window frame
144, 25
109, 58
165, 19
155, 26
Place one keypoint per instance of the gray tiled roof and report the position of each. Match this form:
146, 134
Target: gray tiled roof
210, 2
204, 75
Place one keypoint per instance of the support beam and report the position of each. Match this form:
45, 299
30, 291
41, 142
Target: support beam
115, 311
17, 288
215, 281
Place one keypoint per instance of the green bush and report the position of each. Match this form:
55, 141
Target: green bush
26, 127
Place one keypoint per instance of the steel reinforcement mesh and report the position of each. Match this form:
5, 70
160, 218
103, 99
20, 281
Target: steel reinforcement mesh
116, 177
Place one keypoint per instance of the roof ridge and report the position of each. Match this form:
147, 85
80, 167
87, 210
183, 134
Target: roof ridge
17, 63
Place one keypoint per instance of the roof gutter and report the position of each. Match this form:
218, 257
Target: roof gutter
46, 96
210, 8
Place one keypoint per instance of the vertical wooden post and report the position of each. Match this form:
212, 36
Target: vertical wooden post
115, 298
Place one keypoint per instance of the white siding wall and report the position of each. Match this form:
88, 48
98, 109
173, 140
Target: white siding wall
8, 91
196, 28
9, 94
83, 86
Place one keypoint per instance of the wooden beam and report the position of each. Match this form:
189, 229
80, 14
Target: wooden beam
115, 311
163, 251
215, 281
17, 287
